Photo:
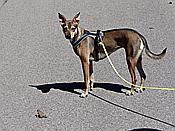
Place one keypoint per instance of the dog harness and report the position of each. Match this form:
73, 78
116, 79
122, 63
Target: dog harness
98, 38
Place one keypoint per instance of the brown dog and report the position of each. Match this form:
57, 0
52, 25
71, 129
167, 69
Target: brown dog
132, 41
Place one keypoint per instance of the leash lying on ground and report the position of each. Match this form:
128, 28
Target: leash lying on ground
146, 87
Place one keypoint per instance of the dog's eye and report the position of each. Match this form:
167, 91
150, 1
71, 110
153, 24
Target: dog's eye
64, 28
73, 28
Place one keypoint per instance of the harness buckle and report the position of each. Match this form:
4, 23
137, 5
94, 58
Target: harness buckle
98, 39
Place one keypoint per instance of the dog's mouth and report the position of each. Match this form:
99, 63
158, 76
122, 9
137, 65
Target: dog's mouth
70, 39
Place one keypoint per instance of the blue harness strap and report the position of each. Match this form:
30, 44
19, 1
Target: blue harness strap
84, 36
98, 38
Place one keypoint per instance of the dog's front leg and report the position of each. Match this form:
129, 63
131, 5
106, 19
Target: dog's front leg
85, 67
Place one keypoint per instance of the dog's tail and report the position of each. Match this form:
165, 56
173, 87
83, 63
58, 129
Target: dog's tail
151, 54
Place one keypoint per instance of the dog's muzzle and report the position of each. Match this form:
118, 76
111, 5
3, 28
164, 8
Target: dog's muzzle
68, 37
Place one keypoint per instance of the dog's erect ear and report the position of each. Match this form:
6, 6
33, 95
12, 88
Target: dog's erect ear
76, 18
62, 19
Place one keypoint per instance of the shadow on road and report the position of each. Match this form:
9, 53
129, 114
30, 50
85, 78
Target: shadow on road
135, 112
145, 129
69, 87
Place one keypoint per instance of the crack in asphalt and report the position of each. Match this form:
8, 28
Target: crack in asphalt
3, 4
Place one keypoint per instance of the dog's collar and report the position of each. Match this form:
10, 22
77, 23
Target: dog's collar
84, 36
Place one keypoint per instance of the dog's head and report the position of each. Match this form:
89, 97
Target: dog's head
70, 27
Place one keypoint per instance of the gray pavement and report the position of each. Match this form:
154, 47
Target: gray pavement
38, 69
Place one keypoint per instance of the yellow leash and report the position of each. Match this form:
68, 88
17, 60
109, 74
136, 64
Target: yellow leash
152, 88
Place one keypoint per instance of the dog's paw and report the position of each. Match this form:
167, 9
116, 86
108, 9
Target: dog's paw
142, 89
83, 95
139, 90
129, 93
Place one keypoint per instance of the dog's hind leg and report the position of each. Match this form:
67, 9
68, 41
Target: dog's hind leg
91, 75
131, 66
142, 74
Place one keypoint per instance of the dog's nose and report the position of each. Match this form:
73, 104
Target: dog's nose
68, 36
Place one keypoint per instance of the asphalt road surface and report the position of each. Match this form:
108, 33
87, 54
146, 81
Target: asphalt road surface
38, 69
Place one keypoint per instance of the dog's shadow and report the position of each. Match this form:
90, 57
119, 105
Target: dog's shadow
70, 87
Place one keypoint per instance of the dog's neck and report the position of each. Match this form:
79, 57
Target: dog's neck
80, 32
